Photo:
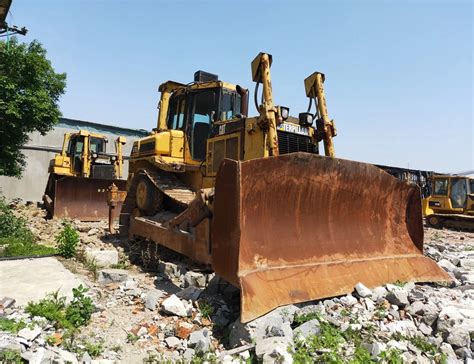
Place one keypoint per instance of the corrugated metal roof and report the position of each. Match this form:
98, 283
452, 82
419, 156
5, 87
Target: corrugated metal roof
101, 128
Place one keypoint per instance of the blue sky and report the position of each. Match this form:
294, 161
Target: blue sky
399, 74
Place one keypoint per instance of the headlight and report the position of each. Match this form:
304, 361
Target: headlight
285, 112
306, 119
94, 155
113, 158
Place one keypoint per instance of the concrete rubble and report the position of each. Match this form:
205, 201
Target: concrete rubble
177, 313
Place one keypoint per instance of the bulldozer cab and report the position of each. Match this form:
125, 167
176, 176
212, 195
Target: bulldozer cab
195, 109
451, 192
80, 174
78, 154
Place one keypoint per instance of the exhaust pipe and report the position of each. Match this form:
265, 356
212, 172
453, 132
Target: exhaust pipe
244, 100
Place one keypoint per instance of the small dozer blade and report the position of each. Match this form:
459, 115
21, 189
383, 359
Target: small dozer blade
80, 198
300, 227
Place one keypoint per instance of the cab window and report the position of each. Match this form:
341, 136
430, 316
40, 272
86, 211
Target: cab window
97, 145
458, 192
230, 105
76, 146
203, 110
176, 113
440, 187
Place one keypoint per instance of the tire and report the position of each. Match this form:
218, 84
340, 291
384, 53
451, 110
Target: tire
148, 198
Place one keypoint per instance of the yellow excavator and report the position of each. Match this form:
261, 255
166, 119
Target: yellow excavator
252, 198
451, 203
80, 174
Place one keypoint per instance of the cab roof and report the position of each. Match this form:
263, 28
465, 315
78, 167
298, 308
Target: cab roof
176, 87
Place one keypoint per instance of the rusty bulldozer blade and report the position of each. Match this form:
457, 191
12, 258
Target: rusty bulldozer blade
300, 227
80, 198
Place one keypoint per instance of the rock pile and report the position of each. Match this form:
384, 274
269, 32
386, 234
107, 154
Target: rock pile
180, 313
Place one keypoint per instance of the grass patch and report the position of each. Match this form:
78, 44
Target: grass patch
132, 338
418, 341
94, 349
301, 319
10, 357
327, 346
391, 356
54, 308
17, 247
15, 237
11, 325
206, 309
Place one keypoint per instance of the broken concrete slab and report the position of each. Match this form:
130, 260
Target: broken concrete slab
107, 276
28, 280
101, 257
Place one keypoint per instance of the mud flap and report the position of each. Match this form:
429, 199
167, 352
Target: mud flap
80, 198
300, 227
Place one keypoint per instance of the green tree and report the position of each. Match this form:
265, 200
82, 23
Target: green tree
29, 93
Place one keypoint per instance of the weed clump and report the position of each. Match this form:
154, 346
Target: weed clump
67, 241
11, 325
79, 312
54, 308
206, 309
15, 237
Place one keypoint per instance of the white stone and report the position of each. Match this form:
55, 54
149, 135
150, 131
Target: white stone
93, 231
459, 337
405, 327
188, 354
448, 350
194, 279
362, 290
279, 354
30, 334
151, 298
103, 258
398, 297
200, 341
142, 331
447, 265
268, 345
349, 300
375, 348
416, 308
425, 329
467, 263
107, 276
379, 293
172, 342
369, 304
173, 305
308, 328
467, 278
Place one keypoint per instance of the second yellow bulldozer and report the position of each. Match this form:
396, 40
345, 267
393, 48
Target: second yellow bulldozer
252, 198
451, 203
80, 175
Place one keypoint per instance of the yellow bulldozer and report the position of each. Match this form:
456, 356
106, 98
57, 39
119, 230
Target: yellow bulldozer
80, 175
252, 198
451, 203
